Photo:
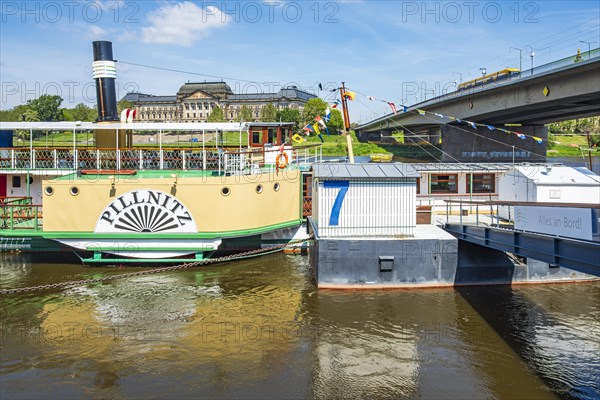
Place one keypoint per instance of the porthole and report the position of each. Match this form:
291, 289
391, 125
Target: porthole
259, 189
74, 190
48, 191
276, 186
225, 191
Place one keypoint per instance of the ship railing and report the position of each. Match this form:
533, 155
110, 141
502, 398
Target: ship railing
21, 216
223, 160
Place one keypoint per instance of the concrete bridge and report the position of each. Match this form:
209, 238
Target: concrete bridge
561, 90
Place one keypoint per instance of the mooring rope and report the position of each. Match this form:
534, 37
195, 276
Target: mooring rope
233, 257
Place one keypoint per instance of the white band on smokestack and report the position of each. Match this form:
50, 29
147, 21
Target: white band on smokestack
104, 69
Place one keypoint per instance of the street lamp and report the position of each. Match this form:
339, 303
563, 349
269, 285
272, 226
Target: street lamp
459, 74
520, 57
589, 47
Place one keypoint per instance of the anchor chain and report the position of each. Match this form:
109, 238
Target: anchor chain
233, 257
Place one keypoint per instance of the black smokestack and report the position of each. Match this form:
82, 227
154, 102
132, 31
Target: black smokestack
105, 73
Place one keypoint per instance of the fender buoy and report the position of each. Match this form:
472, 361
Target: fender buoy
281, 160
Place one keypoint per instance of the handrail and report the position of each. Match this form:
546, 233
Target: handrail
221, 159
525, 203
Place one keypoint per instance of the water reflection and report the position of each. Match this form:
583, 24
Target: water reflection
260, 329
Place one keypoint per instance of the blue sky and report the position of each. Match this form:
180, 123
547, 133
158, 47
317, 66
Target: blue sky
399, 51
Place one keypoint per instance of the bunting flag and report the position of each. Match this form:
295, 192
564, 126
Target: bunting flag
321, 137
297, 138
308, 128
336, 103
393, 107
316, 129
327, 115
320, 121
349, 95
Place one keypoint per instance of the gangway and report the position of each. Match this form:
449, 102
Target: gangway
493, 232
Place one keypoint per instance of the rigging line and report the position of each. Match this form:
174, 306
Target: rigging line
199, 74
403, 127
493, 140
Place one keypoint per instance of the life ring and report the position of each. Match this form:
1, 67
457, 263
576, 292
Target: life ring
281, 164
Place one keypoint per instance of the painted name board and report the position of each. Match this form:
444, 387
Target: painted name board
146, 211
557, 221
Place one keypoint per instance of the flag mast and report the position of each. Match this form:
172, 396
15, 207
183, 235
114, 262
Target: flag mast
346, 131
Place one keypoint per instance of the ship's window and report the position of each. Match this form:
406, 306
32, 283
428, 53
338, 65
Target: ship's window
256, 135
259, 189
16, 181
48, 191
225, 191
74, 190
444, 183
276, 186
482, 183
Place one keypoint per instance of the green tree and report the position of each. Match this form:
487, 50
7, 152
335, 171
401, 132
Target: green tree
312, 108
268, 113
47, 107
336, 122
123, 104
246, 114
289, 115
15, 114
216, 115
80, 112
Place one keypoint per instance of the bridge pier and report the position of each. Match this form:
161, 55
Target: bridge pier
434, 135
466, 144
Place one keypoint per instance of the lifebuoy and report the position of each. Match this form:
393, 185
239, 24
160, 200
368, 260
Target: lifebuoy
281, 164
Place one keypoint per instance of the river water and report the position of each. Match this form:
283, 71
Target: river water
259, 329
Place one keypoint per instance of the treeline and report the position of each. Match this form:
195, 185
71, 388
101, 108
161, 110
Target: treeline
48, 108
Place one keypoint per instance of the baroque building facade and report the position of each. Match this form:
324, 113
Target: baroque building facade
194, 102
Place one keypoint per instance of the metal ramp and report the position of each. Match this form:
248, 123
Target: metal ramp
578, 255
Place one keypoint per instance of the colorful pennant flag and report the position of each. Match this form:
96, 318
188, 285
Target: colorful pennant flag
404, 108
321, 137
472, 124
421, 112
537, 139
371, 98
308, 128
520, 135
491, 128
336, 103
297, 138
327, 115
349, 95
320, 121
393, 107
316, 129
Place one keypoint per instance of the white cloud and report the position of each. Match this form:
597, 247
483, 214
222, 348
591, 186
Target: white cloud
96, 32
182, 23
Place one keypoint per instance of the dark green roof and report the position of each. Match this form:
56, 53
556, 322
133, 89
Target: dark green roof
213, 88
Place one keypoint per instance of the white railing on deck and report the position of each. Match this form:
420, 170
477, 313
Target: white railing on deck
224, 161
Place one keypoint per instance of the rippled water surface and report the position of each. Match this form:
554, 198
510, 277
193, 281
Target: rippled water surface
260, 329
